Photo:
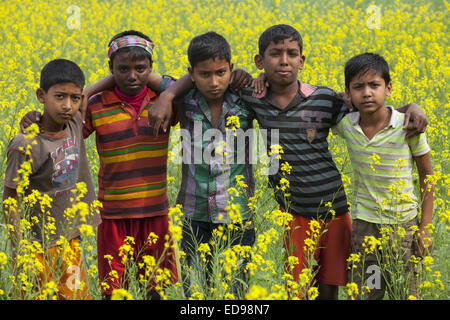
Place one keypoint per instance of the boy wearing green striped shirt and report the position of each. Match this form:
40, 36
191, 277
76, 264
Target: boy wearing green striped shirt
383, 161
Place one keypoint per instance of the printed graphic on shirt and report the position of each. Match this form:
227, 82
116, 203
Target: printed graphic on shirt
311, 119
65, 164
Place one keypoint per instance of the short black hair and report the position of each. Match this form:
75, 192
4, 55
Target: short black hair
61, 71
363, 63
278, 33
136, 52
206, 46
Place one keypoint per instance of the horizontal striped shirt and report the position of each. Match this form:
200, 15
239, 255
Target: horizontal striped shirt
213, 158
383, 166
132, 177
302, 129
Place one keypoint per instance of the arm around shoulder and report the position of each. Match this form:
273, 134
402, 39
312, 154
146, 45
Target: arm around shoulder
413, 112
161, 111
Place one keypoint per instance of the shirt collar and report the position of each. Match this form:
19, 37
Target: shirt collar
109, 97
354, 117
230, 100
304, 89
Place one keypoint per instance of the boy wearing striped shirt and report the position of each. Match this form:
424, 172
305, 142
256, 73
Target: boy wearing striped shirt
382, 158
133, 164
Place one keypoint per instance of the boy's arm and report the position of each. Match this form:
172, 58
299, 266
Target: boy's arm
107, 83
16, 155
11, 214
415, 113
161, 110
427, 193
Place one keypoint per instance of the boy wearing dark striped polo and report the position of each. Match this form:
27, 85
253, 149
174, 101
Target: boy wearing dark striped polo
376, 129
132, 177
303, 114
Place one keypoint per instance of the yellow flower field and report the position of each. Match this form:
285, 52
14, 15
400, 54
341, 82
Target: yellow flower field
411, 35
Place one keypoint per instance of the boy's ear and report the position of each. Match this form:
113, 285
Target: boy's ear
110, 66
151, 66
231, 66
389, 89
348, 100
191, 71
259, 62
40, 94
302, 62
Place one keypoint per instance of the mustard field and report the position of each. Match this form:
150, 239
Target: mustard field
411, 35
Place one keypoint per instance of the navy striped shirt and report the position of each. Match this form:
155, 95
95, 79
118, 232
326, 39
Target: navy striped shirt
303, 127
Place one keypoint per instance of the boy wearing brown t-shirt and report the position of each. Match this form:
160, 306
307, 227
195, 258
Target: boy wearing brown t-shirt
58, 162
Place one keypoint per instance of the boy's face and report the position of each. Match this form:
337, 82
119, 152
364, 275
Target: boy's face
131, 75
368, 91
281, 62
61, 102
212, 78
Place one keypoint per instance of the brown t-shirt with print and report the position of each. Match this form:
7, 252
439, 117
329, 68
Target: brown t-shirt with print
59, 162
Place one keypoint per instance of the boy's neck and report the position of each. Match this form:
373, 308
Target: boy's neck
283, 95
125, 96
215, 107
372, 123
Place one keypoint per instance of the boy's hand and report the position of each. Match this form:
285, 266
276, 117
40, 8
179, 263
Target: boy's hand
160, 113
415, 113
240, 79
347, 100
259, 85
424, 242
28, 119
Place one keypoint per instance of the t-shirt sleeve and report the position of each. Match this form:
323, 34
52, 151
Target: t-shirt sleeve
14, 158
246, 96
418, 145
166, 82
88, 126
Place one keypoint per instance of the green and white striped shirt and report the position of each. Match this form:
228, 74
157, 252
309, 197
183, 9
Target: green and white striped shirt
383, 181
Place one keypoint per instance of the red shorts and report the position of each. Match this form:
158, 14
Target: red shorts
111, 236
331, 252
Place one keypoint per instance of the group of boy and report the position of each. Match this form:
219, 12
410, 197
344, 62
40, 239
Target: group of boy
132, 124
